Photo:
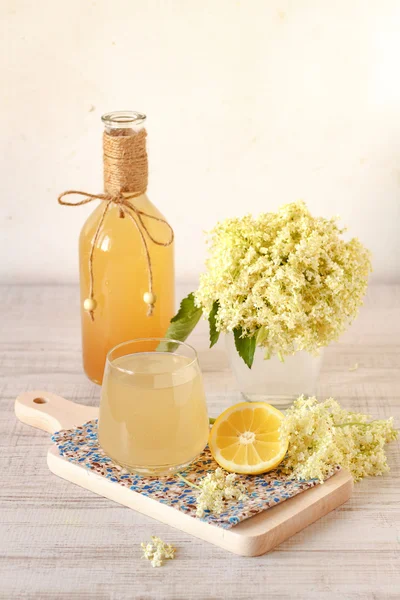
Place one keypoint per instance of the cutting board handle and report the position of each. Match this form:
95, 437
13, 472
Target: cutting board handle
50, 412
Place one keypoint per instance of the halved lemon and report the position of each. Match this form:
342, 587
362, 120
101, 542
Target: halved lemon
245, 438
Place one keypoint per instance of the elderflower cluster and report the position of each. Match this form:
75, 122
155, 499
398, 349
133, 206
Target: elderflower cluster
157, 551
217, 487
287, 276
322, 435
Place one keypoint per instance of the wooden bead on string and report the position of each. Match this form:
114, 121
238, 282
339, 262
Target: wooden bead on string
149, 298
89, 304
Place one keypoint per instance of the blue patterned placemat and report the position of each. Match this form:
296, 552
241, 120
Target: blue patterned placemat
81, 446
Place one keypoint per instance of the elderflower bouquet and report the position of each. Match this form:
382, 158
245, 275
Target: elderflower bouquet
284, 281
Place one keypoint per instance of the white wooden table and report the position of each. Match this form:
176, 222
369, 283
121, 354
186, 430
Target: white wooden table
60, 541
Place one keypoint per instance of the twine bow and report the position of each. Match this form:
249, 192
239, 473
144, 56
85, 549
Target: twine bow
126, 208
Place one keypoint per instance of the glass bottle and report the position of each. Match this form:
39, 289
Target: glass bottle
120, 266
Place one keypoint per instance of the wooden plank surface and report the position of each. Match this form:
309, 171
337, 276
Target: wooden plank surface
60, 541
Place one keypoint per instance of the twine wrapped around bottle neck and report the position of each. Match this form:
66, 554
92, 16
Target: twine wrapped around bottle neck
125, 178
125, 161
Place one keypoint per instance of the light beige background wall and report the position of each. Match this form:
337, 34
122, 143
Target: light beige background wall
250, 104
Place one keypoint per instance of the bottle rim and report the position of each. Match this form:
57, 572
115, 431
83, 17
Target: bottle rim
120, 119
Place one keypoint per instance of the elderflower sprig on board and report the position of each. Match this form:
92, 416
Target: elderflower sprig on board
323, 434
157, 551
215, 488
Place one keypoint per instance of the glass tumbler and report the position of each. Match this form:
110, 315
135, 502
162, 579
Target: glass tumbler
278, 383
153, 414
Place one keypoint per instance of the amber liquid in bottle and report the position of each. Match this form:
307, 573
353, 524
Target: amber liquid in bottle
120, 275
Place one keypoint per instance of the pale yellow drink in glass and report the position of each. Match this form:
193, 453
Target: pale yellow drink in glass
153, 415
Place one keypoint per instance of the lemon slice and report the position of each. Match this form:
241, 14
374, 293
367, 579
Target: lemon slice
245, 438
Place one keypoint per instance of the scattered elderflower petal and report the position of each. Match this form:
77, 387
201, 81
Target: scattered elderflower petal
215, 489
354, 367
287, 272
323, 434
157, 551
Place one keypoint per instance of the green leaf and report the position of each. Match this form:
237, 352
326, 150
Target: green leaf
214, 334
246, 346
186, 309
182, 324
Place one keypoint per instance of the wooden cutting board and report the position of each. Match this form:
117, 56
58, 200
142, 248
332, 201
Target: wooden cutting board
252, 537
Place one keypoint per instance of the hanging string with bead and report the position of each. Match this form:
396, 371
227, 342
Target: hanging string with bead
125, 178
136, 215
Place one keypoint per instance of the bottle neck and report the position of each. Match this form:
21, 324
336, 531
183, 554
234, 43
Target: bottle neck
125, 161
124, 153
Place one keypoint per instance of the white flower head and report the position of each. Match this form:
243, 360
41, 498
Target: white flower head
287, 272
323, 434
215, 489
157, 551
